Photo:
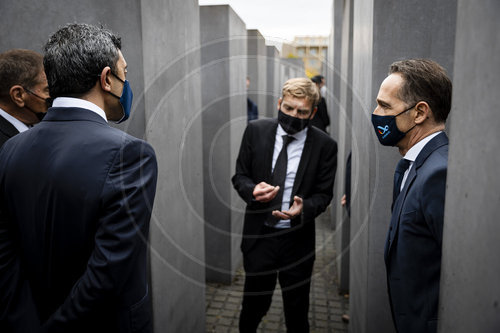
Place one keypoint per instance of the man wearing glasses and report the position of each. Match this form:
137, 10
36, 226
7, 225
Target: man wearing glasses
23, 91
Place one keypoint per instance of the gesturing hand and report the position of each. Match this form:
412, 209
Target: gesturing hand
295, 210
263, 192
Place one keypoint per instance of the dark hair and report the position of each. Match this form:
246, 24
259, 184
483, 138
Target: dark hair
75, 55
425, 80
18, 66
317, 79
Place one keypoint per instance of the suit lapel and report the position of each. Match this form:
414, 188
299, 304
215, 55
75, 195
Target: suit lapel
398, 205
270, 137
437, 142
304, 161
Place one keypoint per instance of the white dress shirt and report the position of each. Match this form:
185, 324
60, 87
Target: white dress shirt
412, 154
19, 125
294, 153
71, 102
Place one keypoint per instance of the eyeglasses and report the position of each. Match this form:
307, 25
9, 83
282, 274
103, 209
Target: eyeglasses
32, 93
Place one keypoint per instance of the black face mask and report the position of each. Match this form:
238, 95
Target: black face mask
48, 102
290, 124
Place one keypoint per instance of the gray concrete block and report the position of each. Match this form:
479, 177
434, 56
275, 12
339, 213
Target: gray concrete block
470, 292
343, 129
170, 40
273, 84
257, 70
291, 68
223, 75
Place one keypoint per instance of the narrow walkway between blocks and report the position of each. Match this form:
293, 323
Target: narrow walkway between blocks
326, 305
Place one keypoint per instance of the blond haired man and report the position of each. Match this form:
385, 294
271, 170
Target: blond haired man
285, 173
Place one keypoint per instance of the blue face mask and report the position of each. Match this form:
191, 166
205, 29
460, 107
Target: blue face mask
387, 130
125, 99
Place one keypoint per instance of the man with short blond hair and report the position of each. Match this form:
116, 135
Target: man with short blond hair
284, 172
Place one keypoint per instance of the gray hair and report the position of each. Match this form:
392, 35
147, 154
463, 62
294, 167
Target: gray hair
74, 57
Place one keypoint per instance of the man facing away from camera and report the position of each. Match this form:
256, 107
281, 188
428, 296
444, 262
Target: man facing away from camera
78, 194
284, 172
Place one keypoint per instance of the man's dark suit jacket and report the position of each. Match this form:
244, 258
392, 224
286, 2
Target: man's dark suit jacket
7, 130
413, 246
313, 182
252, 110
321, 119
79, 195
17, 312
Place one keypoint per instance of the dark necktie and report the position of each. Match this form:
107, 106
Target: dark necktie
279, 174
398, 177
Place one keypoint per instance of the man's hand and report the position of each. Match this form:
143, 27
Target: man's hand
294, 211
343, 201
263, 192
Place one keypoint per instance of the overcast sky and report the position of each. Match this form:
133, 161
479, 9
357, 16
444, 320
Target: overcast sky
282, 19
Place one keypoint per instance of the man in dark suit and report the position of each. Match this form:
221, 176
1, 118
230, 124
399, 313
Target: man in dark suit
252, 109
321, 119
23, 91
283, 161
412, 106
78, 193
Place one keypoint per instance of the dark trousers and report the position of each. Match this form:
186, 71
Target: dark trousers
277, 255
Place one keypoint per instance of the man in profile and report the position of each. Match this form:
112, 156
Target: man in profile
78, 193
23, 92
413, 104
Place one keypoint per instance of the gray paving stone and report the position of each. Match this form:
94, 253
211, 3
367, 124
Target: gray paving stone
223, 302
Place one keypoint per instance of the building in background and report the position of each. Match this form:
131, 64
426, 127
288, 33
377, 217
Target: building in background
312, 50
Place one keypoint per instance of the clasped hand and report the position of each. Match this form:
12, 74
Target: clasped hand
264, 192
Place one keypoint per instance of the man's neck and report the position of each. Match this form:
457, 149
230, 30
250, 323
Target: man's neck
23, 115
409, 141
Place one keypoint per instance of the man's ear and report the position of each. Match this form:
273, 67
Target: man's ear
423, 112
279, 103
105, 79
16, 95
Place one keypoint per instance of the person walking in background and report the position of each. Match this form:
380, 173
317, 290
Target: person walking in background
78, 193
413, 104
285, 173
252, 109
321, 120
23, 91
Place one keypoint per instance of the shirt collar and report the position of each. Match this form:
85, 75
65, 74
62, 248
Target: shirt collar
19, 125
298, 136
71, 102
414, 151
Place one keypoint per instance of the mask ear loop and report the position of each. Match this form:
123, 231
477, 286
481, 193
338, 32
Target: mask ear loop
46, 100
404, 112
114, 95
